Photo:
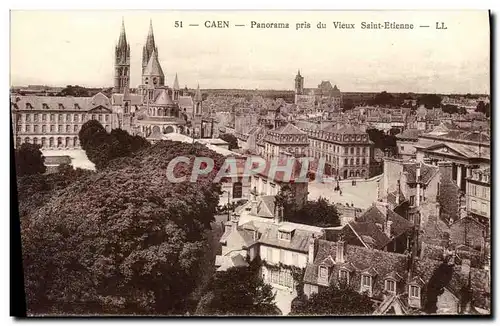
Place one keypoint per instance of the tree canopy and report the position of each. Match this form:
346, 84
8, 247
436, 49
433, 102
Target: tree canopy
29, 160
319, 213
101, 146
238, 291
334, 300
123, 240
483, 108
231, 139
430, 101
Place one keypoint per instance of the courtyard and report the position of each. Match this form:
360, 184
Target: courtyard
362, 195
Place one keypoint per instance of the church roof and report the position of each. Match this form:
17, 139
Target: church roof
153, 68
185, 101
150, 40
164, 98
176, 83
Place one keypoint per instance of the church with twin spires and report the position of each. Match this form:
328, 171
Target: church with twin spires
154, 108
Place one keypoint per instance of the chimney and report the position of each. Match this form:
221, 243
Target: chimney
340, 251
311, 253
388, 228
465, 268
398, 193
278, 216
417, 176
234, 224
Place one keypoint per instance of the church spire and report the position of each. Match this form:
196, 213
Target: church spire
149, 47
122, 41
197, 95
176, 83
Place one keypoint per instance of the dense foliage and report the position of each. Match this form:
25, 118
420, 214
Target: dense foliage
121, 241
318, 213
430, 101
101, 147
483, 108
440, 278
231, 139
29, 160
238, 291
382, 140
334, 300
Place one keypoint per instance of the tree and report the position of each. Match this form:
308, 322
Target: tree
483, 108
318, 213
238, 291
348, 104
231, 139
334, 300
430, 101
440, 278
92, 133
124, 240
29, 160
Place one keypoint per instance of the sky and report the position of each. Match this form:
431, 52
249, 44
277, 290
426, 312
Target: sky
61, 48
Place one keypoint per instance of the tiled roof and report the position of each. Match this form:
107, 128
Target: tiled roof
369, 234
427, 172
288, 129
377, 214
185, 101
298, 242
265, 206
60, 102
409, 134
135, 99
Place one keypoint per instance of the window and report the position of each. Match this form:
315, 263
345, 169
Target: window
357, 150
390, 286
106, 117
93, 117
414, 291
68, 128
27, 128
52, 117
35, 117
484, 208
100, 117
344, 276
68, 117
28, 117
345, 162
473, 190
284, 235
323, 272
59, 128
352, 161
402, 148
60, 117
75, 128
52, 128
364, 150
346, 150
357, 161
412, 200
352, 150
35, 128
364, 161
75, 117
44, 128
366, 280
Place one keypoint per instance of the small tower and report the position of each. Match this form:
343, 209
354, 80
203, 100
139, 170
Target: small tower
122, 62
153, 74
176, 89
299, 84
198, 100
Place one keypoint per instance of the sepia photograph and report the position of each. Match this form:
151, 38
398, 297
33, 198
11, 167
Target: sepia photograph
251, 163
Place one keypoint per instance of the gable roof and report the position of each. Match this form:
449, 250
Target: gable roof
378, 214
369, 234
427, 172
288, 129
265, 206
298, 242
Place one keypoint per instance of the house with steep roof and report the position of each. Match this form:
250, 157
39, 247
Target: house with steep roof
396, 283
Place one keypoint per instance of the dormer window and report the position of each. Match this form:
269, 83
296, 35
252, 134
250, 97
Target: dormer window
390, 286
285, 235
366, 282
323, 272
414, 292
344, 276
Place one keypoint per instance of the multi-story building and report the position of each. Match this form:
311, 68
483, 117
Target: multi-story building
285, 139
478, 194
54, 122
346, 148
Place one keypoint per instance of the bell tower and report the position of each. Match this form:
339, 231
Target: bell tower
122, 63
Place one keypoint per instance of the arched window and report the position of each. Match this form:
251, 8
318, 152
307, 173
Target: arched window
352, 161
35, 141
51, 142
44, 142
18, 141
27, 140
59, 142
66, 143
76, 141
